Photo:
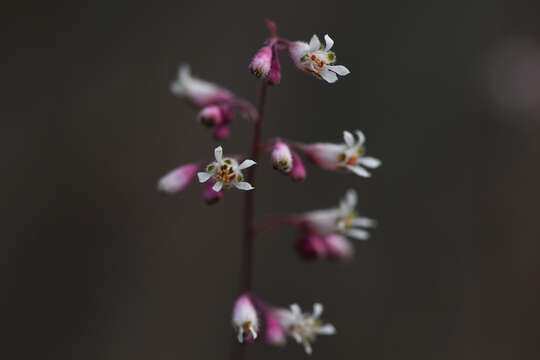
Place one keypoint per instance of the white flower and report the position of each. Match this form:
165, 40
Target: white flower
349, 155
244, 319
282, 159
226, 172
178, 179
197, 91
316, 59
343, 219
304, 327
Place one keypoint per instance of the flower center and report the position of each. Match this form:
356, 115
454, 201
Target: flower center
320, 63
225, 174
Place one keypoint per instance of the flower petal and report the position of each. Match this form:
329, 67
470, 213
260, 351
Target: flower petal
246, 163
317, 310
307, 347
363, 222
295, 308
203, 176
358, 234
217, 186
339, 69
328, 75
327, 329
369, 162
218, 154
360, 171
244, 186
361, 137
314, 43
329, 42
349, 138
351, 198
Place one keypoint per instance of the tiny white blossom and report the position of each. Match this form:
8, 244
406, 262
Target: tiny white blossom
316, 59
245, 320
226, 172
342, 219
304, 327
348, 155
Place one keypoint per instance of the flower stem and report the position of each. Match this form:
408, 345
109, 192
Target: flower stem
238, 352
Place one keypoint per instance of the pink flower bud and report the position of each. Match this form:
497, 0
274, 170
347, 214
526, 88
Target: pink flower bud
282, 159
273, 331
221, 132
178, 179
274, 75
210, 116
310, 245
244, 319
262, 62
338, 247
298, 171
211, 196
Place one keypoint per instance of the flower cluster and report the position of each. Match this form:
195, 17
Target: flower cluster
278, 323
321, 233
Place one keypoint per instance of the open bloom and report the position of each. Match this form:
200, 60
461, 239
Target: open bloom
347, 156
244, 319
342, 219
178, 179
226, 172
199, 92
316, 59
304, 327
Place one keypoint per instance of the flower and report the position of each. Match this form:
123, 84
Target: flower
199, 92
226, 172
261, 63
282, 159
210, 115
349, 155
315, 59
338, 247
343, 220
244, 319
273, 331
304, 327
298, 171
178, 179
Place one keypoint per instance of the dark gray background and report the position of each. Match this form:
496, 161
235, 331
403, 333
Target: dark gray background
97, 265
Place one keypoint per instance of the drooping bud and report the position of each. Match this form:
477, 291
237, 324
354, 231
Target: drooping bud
210, 116
211, 196
298, 171
262, 62
178, 179
244, 319
310, 246
282, 159
338, 247
273, 331
274, 75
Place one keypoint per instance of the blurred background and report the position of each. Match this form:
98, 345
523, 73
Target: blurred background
98, 265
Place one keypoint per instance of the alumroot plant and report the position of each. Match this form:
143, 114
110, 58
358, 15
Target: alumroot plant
321, 233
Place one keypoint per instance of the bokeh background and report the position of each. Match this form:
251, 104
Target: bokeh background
98, 265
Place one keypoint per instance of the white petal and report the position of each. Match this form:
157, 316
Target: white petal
327, 75
245, 164
351, 198
361, 137
240, 336
358, 234
329, 42
244, 186
296, 309
339, 69
307, 347
314, 43
327, 329
217, 186
360, 171
218, 154
369, 162
349, 138
253, 332
296, 337
363, 222
203, 176
317, 310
